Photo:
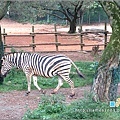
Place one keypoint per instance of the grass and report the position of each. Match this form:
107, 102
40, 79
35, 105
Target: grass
54, 108
16, 79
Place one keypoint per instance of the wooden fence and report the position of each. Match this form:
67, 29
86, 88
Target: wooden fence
56, 42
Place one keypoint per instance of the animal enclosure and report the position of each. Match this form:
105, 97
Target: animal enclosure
54, 41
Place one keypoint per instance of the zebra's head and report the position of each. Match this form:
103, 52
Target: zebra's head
6, 66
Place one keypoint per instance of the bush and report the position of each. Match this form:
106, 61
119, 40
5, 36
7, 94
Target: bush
49, 105
54, 108
84, 109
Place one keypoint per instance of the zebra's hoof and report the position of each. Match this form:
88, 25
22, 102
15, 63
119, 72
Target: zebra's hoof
27, 93
72, 95
53, 92
43, 91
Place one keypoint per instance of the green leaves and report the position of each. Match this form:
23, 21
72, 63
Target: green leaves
54, 108
49, 106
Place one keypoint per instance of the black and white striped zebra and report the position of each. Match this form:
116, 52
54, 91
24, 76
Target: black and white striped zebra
34, 64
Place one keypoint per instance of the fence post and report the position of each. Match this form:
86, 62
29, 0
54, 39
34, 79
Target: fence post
56, 40
81, 41
33, 40
105, 42
4, 40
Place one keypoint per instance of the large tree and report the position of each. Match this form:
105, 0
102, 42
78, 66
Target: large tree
67, 10
3, 11
108, 73
71, 15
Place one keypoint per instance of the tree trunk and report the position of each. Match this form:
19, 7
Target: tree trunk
106, 81
108, 73
3, 11
72, 26
1, 54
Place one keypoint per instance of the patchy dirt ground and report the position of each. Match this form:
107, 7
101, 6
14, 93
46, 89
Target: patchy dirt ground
14, 104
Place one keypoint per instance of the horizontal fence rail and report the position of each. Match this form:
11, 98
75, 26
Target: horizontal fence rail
33, 44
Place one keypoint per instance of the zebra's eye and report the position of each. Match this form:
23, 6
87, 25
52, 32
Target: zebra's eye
2, 60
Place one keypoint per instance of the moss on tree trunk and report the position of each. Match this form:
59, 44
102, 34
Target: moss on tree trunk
104, 81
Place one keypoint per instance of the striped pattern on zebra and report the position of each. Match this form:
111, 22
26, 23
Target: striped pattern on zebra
34, 64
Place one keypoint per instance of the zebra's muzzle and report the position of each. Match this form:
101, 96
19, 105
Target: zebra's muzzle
4, 74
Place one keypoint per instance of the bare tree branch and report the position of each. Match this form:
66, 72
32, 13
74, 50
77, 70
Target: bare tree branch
68, 10
117, 3
63, 18
65, 12
50, 9
4, 8
79, 6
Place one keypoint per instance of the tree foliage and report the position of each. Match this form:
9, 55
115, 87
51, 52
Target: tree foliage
54, 11
49, 11
25, 11
95, 13
3, 8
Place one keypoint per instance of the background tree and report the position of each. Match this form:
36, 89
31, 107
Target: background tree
24, 11
3, 11
36, 12
95, 13
71, 15
108, 72
68, 10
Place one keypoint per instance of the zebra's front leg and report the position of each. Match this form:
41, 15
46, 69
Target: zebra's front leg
29, 84
36, 84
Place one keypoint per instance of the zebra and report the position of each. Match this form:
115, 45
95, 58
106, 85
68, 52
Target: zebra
33, 65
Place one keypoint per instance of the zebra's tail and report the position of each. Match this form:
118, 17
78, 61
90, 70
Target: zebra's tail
78, 71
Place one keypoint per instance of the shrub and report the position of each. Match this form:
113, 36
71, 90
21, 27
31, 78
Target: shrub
84, 109
54, 108
49, 105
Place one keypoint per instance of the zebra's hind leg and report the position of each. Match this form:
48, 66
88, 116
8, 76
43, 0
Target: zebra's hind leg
60, 83
71, 83
36, 84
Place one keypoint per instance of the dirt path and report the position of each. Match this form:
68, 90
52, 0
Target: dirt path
14, 104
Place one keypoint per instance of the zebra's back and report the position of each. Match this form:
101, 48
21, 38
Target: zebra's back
49, 66
35, 64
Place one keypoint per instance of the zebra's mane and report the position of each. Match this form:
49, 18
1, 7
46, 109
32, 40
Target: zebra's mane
10, 53
29, 53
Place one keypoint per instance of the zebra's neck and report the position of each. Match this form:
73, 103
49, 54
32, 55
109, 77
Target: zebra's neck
15, 59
